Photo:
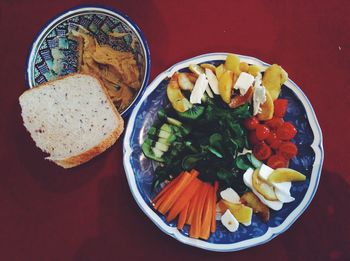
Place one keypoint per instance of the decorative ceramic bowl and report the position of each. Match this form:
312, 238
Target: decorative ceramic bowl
139, 169
99, 22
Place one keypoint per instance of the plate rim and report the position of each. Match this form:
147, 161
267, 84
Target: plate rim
272, 232
83, 8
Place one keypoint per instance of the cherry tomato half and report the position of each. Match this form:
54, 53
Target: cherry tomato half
251, 123
274, 123
287, 131
273, 141
277, 161
262, 132
262, 151
280, 107
288, 150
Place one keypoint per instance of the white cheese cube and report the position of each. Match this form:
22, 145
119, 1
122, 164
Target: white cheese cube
265, 172
229, 221
244, 81
230, 195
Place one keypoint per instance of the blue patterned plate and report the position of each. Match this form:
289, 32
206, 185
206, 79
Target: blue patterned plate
139, 169
100, 22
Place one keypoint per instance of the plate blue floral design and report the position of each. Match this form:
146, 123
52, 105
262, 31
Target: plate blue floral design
54, 54
139, 169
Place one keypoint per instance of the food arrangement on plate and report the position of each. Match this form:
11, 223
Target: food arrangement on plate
222, 152
223, 134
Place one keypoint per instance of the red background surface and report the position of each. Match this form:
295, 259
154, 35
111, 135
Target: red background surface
88, 213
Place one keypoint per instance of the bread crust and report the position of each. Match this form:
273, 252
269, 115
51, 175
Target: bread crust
89, 154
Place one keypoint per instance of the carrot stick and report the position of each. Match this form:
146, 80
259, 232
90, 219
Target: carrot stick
160, 200
193, 203
175, 192
167, 188
213, 220
194, 172
182, 217
166, 195
183, 199
207, 215
197, 215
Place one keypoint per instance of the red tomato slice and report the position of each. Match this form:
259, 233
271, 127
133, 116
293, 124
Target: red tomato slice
262, 132
262, 151
287, 131
274, 123
280, 107
251, 123
288, 150
277, 161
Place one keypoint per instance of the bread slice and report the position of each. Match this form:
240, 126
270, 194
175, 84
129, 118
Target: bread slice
71, 118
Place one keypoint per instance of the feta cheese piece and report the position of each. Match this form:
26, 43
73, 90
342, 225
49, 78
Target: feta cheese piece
230, 195
199, 89
213, 81
244, 81
258, 80
265, 172
248, 180
259, 97
229, 221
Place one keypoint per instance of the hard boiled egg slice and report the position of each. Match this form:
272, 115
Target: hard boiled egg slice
247, 178
230, 195
282, 191
229, 221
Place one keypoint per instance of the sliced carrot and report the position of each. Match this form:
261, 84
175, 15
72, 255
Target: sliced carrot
207, 215
167, 188
194, 172
182, 217
167, 193
197, 215
183, 199
175, 192
193, 203
163, 197
213, 220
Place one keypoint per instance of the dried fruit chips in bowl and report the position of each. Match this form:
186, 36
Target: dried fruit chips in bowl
96, 41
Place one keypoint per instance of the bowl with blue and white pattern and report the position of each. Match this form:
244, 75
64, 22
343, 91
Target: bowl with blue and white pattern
55, 54
140, 170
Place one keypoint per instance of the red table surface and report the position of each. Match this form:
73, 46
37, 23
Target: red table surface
88, 212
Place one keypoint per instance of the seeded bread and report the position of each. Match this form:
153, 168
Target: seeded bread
71, 118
